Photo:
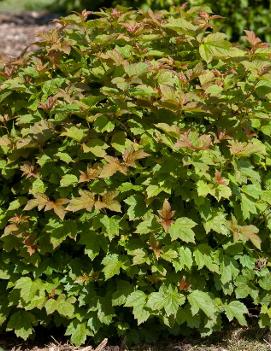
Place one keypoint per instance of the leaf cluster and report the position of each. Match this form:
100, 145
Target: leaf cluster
245, 15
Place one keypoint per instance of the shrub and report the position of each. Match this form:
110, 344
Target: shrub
135, 175
254, 15
251, 14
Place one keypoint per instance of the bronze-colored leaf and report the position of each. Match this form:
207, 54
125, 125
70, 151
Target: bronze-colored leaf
219, 179
18, 219
11, 228
41, 201
184, 285
5, 141
49, 104
30, 246
113, 166
108, 201
166, 214
130, 156
245, 233
91, 173
57, 207
203, 142
254, 41
28, 170
155, 246
84, 202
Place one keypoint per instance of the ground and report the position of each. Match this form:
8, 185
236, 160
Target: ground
241, 339
17, 30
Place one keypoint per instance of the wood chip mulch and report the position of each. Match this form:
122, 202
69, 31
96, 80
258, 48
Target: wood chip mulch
20, 30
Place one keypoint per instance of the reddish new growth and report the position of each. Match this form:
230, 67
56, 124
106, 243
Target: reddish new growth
204, 142
254, 41
184, 284
132, 27
219, 179
166, 214
49, 104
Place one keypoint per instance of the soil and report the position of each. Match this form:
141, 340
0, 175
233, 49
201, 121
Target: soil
20, 30
236, 339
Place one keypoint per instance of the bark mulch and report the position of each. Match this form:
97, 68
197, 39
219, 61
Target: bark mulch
20, 30
239, 339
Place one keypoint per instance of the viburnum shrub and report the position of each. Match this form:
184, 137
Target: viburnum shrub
135, 178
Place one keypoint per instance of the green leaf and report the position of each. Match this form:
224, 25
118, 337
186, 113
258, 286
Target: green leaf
166, 77
136, 69
141, 314
247, 206
75, 133
147, 225
253, 190
112, 265
51, 86
142, 91
228, 269
63, 156
78, 332
96, 146
263, 88
103, 124
38, 186
124, 289
200, 300
137, 207
204, 188
92, 241
168, 298
27, 287
120, 142
111, 226
68, 179
65, 307
22, 324
216, 222
153, 190
184, 259
179, 25
236, 309
203, 258
14, 205
223, 191
265, 282
244, 288
137, 300
214, 46
125, 187
182, 229
156, 301
51, 306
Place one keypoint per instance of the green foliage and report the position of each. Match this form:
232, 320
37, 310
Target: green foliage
238, 16
135, 178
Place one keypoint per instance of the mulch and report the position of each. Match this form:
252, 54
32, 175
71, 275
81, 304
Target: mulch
17, 31
55, 346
